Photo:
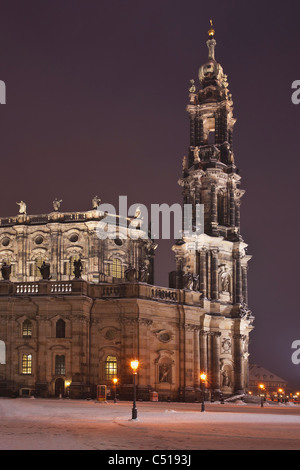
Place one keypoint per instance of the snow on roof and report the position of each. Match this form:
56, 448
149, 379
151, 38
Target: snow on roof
257, 372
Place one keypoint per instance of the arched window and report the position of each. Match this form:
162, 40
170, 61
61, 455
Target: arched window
116, 269
27, 329
60, 328
2, 353
111, 367
60, 368
26, 364
38, 264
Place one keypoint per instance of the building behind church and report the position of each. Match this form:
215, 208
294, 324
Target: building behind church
76, 308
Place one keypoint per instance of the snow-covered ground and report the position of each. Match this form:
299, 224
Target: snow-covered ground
41, 424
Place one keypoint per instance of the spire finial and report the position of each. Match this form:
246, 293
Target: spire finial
211, 31
211, 42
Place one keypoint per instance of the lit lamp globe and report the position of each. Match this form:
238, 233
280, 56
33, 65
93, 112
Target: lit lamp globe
134, 366
203, 377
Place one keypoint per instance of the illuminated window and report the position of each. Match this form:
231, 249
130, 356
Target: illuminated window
26, 364
27, 329
60, 329
116, 269
60, 368
38, 264
111, 369
71, 264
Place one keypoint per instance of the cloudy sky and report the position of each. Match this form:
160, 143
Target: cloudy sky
96, 98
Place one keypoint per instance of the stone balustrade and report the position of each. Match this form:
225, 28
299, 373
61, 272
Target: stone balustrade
81, 287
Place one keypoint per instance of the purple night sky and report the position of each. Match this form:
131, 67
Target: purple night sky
96, 98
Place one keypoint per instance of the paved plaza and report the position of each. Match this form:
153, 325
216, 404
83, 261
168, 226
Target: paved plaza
45, 424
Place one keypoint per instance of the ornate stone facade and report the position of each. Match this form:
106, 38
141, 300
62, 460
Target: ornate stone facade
73, 330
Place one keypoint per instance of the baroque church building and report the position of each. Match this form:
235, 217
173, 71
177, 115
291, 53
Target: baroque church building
75, 309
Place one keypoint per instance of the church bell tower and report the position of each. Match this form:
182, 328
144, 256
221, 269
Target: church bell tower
214, 262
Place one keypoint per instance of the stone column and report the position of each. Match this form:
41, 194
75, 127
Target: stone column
178, 274
203, 272
192, 130
230, 138
214, 275
215, 361
217, 129
213, 207
21, 238
238, 280
224, 126
203, 351
54, 260
238, 214
199, 131
189, 357
144, 357
196, 358
231, 208
238, 363
129, 350
245, 284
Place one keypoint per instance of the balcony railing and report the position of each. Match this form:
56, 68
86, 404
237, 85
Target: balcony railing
101, 291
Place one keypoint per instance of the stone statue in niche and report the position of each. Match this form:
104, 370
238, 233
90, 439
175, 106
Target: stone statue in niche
130, 273
165, 373
6, 271
45, 271
226, 382
77, 269
225, 280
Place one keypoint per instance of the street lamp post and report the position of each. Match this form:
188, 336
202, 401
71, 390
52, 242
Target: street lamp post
134, 366
262, 388
115, 381
203, 380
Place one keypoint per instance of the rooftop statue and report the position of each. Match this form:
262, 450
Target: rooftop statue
77, 269
45, 271
56, 204
6, 270
22, 205
95, 202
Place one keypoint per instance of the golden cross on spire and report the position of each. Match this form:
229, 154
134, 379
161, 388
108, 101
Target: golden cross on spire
211, 31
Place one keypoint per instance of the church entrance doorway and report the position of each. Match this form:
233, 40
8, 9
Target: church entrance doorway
59, 387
